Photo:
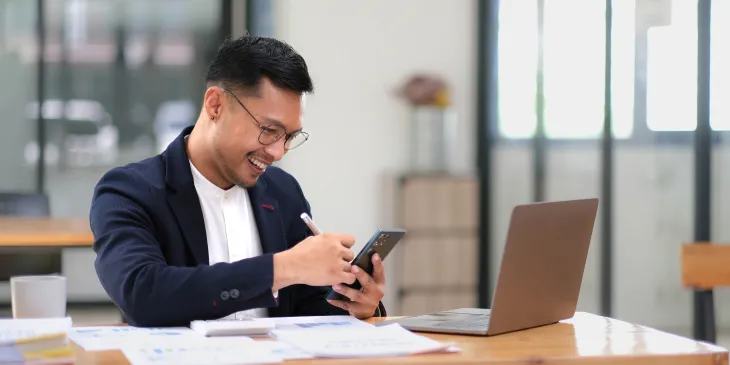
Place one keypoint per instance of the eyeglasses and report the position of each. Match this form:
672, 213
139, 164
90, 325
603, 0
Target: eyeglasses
271, 133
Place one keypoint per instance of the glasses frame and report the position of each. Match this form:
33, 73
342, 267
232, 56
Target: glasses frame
264, 128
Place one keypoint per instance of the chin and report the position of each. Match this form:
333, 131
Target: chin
244, 179
247, 181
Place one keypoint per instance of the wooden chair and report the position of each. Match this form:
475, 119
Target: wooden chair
705, 267
24, 204
21, 204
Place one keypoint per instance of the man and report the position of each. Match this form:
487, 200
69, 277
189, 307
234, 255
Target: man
209, 229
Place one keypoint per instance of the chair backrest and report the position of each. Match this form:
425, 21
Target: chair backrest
31, 206
705, 265
24, 205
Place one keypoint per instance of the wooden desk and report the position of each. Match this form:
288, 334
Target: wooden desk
584, 339
44, 233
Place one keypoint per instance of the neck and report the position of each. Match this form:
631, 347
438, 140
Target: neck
201, 155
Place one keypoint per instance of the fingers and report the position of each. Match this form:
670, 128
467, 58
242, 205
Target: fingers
347, 277
347, 254
363, 303
378, 270
346, 240
363, 277
372, 291
354, 295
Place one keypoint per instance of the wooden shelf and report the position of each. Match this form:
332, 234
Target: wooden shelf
437, 260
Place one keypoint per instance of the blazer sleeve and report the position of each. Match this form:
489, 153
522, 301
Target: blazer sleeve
310, 300
133, 271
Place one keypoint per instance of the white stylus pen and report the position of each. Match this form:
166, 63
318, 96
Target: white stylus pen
310, 223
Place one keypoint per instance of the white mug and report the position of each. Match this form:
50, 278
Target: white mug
42, 296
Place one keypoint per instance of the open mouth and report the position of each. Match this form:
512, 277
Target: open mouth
258, 165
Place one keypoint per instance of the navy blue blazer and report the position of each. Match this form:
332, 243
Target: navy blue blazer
152, 253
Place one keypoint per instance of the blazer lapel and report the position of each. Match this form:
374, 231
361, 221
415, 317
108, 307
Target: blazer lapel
183, 198
186, 208
268, 218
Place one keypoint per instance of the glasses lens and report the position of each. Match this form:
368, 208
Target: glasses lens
270, 134
296, 140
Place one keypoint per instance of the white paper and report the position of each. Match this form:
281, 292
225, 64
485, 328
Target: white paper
13, 329
215, 350
247, 327
390, 340
103, 338
319, 322
284, 350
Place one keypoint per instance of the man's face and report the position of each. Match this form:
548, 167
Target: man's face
242, 142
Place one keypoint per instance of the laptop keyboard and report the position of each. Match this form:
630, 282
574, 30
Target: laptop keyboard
475, 322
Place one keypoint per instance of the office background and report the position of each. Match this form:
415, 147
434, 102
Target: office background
529, 84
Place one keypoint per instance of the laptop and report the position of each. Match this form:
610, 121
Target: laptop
539, 279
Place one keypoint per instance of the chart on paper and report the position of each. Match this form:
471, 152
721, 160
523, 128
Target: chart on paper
104, 338
319, 322
390, 340
231, 350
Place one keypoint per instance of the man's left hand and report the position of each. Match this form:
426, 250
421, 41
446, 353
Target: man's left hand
363, 302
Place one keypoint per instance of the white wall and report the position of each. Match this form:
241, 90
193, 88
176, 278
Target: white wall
358, 54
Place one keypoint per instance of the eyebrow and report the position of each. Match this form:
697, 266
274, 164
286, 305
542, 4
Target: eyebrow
278, 123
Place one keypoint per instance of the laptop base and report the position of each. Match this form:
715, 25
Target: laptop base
462, 321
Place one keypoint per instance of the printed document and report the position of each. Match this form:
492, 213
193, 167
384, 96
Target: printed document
103, 338
207, 350
14, 329
390, 340
283, 350
319, 322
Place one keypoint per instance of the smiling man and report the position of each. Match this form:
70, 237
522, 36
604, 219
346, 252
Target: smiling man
209, 229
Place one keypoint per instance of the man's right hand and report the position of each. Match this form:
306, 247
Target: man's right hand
321, 260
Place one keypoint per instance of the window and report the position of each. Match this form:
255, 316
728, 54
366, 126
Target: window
517, 60
720, 66
573, 74
623, 67
671, 63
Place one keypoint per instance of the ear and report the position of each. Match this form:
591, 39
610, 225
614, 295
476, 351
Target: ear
213, 101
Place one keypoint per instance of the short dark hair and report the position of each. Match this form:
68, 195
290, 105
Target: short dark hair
241, 63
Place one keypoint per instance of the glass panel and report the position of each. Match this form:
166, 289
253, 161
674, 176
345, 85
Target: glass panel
130, 74
517, 53
18, 90
671, 78
18, 47
623, 64
653, 182
574, 68
720, 120
574, 102
720, 66
512, 163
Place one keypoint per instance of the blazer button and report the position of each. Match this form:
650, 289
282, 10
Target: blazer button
224, 295
234, 293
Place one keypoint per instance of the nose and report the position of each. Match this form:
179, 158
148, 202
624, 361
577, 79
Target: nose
276, 149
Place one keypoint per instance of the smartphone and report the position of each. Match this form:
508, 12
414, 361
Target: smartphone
382, 242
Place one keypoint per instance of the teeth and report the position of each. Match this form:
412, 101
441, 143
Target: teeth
258, 163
